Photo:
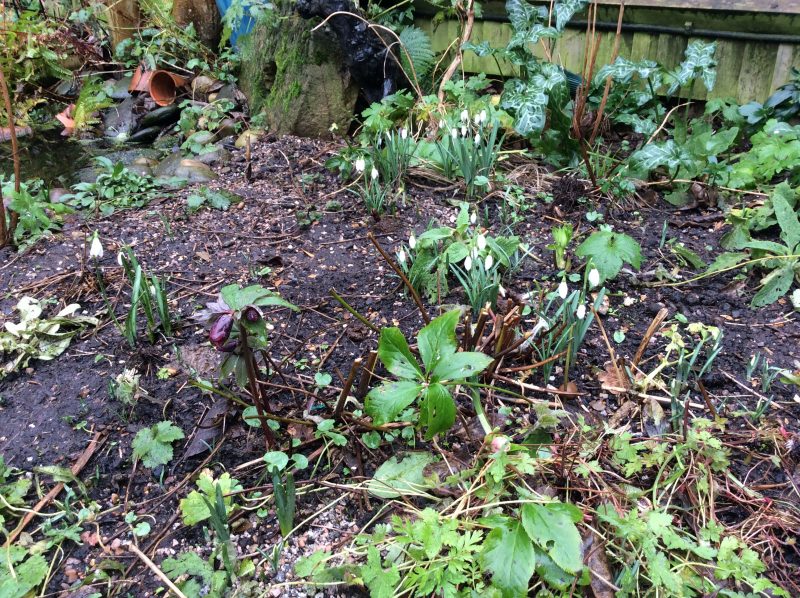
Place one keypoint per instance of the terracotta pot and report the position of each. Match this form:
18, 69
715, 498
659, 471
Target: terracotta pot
161, 85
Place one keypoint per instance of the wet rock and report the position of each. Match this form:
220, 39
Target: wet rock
218, 156
162, 117
117, 89
57, 193
120, 120
190, 170
226, 128
146, 135
143, 166
241, 140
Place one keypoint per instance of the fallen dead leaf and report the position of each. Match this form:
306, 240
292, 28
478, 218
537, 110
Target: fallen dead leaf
609, 380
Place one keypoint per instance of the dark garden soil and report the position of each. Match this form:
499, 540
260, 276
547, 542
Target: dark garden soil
297, 232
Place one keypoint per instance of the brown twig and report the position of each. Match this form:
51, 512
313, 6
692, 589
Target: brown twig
602, 108
465, 37
7, 234
405, 280
348, 384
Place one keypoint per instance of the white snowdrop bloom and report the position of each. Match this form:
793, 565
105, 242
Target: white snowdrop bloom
120, 259
481, 241
441, 124
563, 291
594, 278
580, 313
374, 174
477, 139
473, 218
468, 264
463, 130
474, 253
403, 133
454, 133
96, 248
360, 165
401, 256
488, 262
540, 326
501, 290
482, 116
464, 116
476, 119
412, 241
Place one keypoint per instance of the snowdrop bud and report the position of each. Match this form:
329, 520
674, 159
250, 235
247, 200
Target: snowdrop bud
482, 116
477, 139
473, 218
453, 133
477, 119
488, 262
468, 264
594, 278
464, 116
403, 133
474, 253
441, 124
481, 242
119, 259
401, 256
563, 291
540, 325
374, 174
501, 290
412, 241
96, 248
360, 165
580, 313
463, 130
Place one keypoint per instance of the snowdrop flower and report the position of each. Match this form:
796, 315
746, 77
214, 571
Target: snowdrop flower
540, 325
401, 256
374, 174
454, 133
477, 139
412, 241
441, 124
360, 165
96, 248
468, 264
464, 116
477, 119
481, 242
463, 130
473, 218
594, 278
563, 291
474, 253
482, 117
580, 313
501, 290
488, 262
120, 259
403, 133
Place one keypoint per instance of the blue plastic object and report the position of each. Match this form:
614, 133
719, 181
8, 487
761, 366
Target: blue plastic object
244, 26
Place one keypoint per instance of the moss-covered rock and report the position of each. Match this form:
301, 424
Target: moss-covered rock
296, 78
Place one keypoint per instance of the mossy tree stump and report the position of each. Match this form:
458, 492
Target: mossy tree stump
296, 78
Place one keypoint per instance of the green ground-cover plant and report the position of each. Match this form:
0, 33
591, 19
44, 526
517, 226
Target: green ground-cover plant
608, 251
218, 199
37, 216
116, 188
153, 445
35, 337
781, 261
431, 387
200, 121
775, 150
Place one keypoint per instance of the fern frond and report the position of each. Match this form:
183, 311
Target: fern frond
418, 46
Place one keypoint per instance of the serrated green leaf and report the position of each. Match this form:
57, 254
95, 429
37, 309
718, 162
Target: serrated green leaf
609, 250
774, 286
153, 445
437, 411
385, 402
508, 554
437, 340
552, 529
461, 366
397, 478
396, 356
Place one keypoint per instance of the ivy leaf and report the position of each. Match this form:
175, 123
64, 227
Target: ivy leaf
437, 412
608, 250
397, 478
396, 356
154, 445
385, 402
437, 341
552, 528
698, 60
527, 102
565, 10
509, 555
668, 153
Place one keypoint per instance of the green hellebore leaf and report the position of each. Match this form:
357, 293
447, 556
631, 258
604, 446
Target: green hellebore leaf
552, 528
437, 412
509, 555
437, 341
388, 400
396, 356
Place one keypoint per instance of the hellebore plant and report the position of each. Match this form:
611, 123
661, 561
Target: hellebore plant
444, 368
237, 327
